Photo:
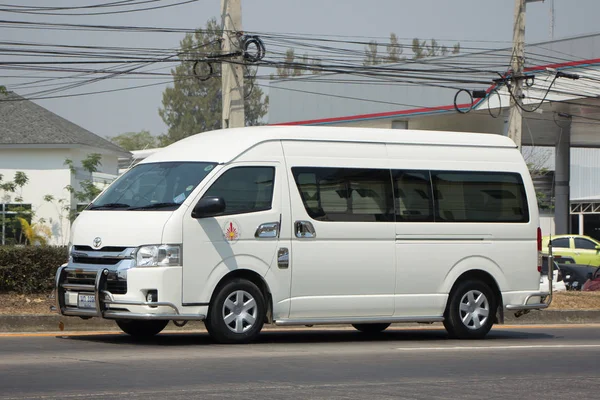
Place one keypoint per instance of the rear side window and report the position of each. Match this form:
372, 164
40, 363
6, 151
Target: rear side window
245, 189
586, 244
412, 196
466, 196
561, 242
346, 194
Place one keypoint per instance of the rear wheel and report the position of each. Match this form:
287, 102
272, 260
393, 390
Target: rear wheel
141, 328
371, 328
470, 311
237, 312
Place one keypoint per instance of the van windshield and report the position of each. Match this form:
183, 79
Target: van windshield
154, 186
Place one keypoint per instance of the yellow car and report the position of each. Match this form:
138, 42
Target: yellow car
583, 249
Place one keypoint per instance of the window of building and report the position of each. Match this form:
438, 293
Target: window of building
581, 243
10, 226
561, 242
412, 196
466, 196
346, 194
245, 189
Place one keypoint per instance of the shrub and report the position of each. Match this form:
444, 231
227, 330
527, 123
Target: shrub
29, 269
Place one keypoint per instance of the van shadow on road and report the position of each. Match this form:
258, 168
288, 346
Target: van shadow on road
310, 336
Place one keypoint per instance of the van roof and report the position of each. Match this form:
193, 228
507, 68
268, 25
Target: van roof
224, 145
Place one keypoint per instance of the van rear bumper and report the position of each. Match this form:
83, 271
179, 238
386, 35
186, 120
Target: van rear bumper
103, 301
526, 306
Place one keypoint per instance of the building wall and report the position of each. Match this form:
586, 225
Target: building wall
585, 176
47, 176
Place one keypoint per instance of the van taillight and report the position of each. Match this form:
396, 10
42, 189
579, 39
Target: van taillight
539, 248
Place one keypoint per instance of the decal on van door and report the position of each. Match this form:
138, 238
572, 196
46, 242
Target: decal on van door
231, 231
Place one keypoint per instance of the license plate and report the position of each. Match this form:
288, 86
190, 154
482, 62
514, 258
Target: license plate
86, 301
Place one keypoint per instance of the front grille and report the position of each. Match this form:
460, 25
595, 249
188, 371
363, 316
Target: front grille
113, 285
106, 249
96, 260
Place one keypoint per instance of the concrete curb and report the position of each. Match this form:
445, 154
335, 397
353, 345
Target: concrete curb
33, 323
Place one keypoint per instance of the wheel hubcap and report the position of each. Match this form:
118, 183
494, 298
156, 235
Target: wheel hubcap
474, 309
240, 311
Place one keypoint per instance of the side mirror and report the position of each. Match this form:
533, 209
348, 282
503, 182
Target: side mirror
597, 248
208, 207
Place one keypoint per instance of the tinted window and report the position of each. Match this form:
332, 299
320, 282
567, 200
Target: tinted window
244, 189
581, 243
562, 242
345, 194
412, 196
479, 197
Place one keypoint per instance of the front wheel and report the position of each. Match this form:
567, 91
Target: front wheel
470, 311
371, 328
237, 312
141, 328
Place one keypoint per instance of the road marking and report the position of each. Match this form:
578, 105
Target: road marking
509, 347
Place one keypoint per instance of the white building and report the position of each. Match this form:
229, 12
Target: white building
37, 142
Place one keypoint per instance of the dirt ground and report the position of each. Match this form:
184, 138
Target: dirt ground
40, 303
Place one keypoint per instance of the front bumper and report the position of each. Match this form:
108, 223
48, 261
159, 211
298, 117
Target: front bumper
104, 300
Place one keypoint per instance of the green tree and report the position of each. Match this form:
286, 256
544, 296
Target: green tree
194, 102
87, 189
35, 234
422, 49
296, 66
12, 197
371, 54
135, 140
394, 50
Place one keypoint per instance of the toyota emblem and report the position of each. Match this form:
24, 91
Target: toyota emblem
97, 242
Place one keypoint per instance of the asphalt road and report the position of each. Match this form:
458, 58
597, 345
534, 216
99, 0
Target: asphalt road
524, 362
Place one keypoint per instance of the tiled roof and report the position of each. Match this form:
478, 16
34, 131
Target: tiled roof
22, 122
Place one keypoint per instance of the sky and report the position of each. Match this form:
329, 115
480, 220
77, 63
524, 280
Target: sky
474, 23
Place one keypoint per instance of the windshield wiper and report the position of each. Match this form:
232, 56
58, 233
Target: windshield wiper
155, 205
110, 206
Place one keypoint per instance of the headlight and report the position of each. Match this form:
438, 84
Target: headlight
158, 256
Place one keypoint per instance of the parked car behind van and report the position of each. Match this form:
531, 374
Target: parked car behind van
558, 283
583, 249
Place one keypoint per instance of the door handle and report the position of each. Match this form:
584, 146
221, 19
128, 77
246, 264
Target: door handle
268, 230
283, 258
304, 230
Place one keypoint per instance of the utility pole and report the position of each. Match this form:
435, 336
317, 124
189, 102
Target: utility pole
232, 69
516, 64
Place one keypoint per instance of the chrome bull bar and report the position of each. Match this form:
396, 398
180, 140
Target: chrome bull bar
104, 298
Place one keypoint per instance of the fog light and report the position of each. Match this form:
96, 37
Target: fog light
152, 296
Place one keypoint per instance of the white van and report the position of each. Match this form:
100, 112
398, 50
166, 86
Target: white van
311, 225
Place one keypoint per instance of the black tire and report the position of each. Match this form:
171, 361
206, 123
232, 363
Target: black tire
239, 329
371, 328
477, 325
141, 329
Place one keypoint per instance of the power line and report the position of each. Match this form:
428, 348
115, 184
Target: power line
32, 12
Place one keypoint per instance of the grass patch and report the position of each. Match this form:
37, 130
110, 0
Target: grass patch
575, 301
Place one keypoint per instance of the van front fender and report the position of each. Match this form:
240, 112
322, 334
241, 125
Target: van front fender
225, 267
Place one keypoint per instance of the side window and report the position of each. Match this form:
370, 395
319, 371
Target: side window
412, 196
245, 189
479, 197
581, 243
561, 242
345, 194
